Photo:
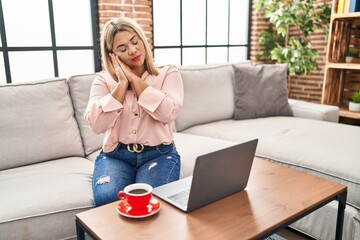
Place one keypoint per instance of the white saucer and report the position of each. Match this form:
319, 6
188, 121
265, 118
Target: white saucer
124, 209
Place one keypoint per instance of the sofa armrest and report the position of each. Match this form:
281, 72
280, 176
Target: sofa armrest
303, 109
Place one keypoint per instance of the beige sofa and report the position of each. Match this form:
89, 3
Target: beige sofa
47, 150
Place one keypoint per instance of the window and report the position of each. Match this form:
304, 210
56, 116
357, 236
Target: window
201, 31
48, 38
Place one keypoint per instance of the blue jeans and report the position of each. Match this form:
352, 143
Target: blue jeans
115, 170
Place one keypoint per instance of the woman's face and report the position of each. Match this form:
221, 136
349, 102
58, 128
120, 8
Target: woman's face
130, 49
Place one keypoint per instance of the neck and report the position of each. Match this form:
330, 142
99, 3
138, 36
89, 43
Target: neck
139, 71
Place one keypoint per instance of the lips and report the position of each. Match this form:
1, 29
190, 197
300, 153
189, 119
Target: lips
137, 58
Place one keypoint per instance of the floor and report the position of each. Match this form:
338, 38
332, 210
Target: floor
287, 233
291, 234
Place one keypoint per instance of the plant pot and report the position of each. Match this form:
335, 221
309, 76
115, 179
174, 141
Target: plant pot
354, 107
348, 59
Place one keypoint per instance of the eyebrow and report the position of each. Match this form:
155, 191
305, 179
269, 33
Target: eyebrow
122, 45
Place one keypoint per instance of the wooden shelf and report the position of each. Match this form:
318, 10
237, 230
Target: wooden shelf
342, 79
346, 113
350, 66
345, 15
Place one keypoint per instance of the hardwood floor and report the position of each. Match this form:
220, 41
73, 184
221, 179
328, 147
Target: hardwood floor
291, 234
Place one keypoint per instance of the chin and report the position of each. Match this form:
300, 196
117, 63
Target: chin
138, 63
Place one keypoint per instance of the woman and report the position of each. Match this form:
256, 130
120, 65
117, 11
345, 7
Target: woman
134, 102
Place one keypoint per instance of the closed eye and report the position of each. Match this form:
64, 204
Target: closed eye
122, 47
135, 41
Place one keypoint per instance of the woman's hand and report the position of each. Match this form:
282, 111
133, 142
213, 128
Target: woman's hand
130, 75
126, 72
123, 83
118, 69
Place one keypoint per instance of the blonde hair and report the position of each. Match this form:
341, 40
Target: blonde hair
109, 30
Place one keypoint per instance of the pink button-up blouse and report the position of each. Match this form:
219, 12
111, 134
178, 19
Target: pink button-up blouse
146, 119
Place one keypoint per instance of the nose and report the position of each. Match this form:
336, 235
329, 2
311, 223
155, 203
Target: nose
132, 50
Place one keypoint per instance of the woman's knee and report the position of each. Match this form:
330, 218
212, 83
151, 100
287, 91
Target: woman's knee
160, 171
110, 176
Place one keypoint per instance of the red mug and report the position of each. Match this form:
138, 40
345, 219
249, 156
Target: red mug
138, 195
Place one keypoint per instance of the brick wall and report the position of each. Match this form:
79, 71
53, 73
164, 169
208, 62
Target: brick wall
140, 10
307, 88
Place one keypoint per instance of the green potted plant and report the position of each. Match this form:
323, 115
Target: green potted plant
350, 55
278, 46
354, 104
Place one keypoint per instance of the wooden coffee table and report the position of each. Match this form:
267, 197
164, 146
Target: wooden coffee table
275, 197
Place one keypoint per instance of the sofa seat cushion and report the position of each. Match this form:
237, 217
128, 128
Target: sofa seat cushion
37, 123
316, 147
43, 190
191, 146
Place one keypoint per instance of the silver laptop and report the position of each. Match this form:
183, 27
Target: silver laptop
216, 175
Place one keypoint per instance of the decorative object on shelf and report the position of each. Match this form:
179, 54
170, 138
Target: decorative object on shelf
354, 104
350, 55
278, 46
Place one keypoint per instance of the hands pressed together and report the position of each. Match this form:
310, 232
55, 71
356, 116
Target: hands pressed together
125, 77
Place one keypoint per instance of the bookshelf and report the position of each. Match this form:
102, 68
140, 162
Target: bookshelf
341, 79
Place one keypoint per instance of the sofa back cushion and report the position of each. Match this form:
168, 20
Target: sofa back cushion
37, 123
208, 95
80, 86
261, 91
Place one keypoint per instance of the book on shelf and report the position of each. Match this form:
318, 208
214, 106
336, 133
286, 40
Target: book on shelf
347, 6
354, 5
341, 6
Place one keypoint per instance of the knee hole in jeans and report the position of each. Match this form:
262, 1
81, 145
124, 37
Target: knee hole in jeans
102, 180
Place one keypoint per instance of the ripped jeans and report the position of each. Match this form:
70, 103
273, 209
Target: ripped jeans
115, 170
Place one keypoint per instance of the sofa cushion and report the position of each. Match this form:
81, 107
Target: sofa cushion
312, 146
39, 201
260, 91
208, 95
80, 86
37, 123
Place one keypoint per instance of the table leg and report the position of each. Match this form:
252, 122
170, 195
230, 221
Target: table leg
340, 215
79, 231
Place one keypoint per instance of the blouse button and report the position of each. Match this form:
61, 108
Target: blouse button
134, 131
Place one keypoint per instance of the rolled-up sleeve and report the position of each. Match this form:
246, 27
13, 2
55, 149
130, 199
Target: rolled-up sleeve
151, 98
102, 109
108, 103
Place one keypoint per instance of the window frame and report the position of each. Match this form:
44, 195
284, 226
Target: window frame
206, 45
53, 48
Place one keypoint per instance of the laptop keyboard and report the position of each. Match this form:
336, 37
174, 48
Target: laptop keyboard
181, 198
